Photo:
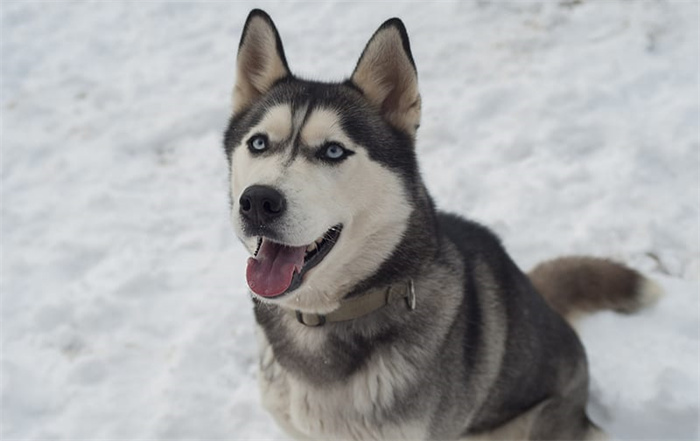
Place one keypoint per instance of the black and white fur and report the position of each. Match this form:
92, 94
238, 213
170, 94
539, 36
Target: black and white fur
482, 356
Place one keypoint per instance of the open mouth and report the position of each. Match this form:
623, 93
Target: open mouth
276, 269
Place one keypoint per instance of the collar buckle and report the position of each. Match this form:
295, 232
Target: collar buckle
302, 318
411, 296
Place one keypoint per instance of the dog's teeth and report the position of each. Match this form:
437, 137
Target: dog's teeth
311, 247
319, 241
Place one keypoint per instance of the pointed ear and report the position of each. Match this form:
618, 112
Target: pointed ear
387, 76
260, 62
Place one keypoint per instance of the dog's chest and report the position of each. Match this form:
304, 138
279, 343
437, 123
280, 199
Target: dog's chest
353, 409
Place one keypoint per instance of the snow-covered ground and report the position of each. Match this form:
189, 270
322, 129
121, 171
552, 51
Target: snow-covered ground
568, 127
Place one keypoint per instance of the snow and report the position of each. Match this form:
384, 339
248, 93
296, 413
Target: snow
568, 127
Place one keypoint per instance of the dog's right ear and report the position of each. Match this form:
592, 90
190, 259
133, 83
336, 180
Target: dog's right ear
261, 61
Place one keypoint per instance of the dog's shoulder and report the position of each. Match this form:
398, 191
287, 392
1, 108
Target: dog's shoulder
472, 239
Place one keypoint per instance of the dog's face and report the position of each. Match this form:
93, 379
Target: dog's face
319, 187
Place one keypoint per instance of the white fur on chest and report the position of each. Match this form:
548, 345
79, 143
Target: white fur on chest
344, 411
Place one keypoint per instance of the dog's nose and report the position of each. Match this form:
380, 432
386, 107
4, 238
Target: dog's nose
261, 204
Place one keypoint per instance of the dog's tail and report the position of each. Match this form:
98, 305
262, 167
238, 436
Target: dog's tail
575, 286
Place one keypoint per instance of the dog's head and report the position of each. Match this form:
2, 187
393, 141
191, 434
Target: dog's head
322, 174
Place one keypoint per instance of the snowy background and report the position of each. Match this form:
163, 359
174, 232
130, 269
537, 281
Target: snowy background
568, 127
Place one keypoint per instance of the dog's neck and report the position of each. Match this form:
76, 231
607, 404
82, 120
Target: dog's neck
361, 305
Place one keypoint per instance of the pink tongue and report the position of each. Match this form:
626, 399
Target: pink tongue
270, 273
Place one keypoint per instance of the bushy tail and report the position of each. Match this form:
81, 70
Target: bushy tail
574, 286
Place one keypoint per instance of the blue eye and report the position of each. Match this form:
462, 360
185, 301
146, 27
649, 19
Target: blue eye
334, 151
257, 143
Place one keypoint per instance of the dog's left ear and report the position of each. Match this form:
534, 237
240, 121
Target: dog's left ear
387, 76
261, 61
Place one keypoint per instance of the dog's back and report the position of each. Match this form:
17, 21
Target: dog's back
542, 386
536, 359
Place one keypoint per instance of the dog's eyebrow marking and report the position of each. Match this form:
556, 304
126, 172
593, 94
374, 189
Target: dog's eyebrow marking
321, 126
278, 123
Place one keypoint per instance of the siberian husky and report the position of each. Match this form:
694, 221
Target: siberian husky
380, 317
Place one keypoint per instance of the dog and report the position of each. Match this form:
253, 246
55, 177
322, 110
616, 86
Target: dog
380, 317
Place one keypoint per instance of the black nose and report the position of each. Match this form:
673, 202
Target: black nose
261, 205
